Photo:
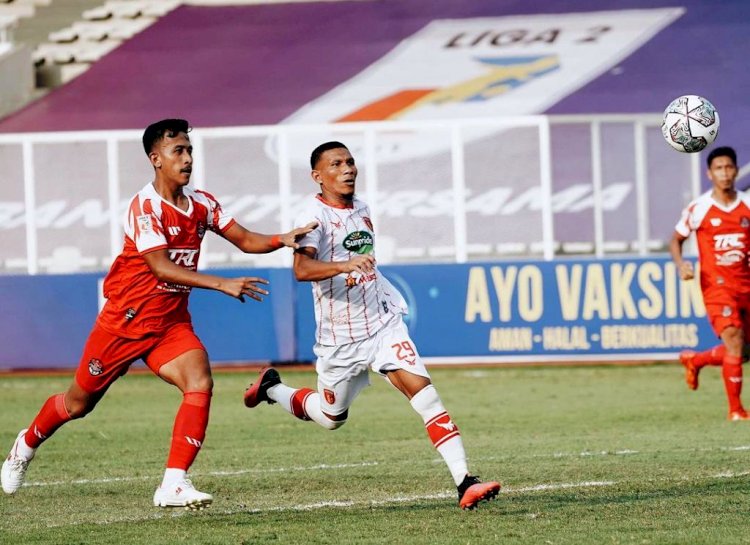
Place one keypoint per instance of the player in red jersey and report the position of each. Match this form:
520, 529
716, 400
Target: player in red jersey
146, 316
720, 219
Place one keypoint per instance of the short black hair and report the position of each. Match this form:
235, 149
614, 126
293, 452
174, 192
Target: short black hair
723, 151
321, 149
165, 127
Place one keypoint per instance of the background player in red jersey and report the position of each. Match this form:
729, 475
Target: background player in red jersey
146, 316
720, 219
359, 324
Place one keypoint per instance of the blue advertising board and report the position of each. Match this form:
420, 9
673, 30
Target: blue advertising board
501, 311
544, 311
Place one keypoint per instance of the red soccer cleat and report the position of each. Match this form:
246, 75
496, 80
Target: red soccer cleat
256, 393
741, 414
472, 491
691, 371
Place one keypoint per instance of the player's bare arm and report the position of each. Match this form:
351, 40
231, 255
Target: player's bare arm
166, 271
256, 243
675, 249
307, 268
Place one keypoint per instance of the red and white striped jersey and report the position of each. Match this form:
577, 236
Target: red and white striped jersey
138, 303
348, 307
723, 240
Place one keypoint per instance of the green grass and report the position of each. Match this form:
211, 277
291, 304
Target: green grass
627, 454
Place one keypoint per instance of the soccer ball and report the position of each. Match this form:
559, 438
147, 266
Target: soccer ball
690, 123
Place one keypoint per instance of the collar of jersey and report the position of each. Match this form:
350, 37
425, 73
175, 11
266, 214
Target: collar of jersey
333, 205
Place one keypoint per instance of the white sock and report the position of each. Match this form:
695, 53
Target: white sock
282, 394
428, 405
172, 475
24, 450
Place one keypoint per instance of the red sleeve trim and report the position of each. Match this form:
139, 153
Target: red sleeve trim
231, 222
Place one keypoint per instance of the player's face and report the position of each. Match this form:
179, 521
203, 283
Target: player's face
336, 173
722, 173
173, 158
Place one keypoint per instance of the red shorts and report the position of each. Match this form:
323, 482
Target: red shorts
106, 357
735, 314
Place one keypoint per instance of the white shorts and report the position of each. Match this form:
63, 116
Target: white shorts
343, 370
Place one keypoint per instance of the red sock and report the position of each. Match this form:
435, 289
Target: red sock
298, 403
189, 429
731, 370
713, 356
52, 415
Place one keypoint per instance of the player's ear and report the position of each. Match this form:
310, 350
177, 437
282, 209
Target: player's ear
315, 175
154, 158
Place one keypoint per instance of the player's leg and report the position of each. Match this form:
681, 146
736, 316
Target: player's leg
340, 379
180, 359
89, 385
694, 361
731, 371
396, 358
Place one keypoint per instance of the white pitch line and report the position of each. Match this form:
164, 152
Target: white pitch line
208, 473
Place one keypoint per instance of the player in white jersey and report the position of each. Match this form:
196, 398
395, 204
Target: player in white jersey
359, 324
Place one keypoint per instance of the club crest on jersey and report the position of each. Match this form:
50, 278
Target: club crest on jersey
144, 223
96, 367
201, 229
744, 222
330, 396
368, 222
726, 311
359, 242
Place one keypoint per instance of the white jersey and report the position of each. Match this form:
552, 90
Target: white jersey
349, 307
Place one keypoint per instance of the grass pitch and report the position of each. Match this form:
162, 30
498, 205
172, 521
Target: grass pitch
585, 455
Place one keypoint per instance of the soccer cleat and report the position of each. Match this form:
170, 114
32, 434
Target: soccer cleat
471, 491
741, 414
691, 371
182, 494
14, 468
256, 393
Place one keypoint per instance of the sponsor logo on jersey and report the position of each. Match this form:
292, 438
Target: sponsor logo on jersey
729, 241
173, 230
96, 367
330, 396
359, 242
144, 223
730, 258
184, 257
130, 314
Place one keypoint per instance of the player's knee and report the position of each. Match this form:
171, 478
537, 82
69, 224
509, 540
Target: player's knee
332, 424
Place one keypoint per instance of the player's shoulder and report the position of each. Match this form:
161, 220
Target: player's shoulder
200, 195
146, 201
744, 197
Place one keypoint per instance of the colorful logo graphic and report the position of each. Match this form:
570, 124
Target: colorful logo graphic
359, 242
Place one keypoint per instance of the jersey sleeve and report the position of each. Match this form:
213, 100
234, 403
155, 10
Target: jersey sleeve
311, 239
684, 226
144, 226
218, 219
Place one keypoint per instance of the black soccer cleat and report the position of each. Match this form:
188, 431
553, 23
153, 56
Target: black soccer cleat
471, 491
256, 393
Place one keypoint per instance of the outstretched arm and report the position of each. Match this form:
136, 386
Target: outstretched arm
166, 271
307, 268
675, 249
256, 243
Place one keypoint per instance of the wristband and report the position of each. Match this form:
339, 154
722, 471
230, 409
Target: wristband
276, 242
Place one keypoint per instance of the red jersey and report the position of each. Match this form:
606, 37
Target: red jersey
138, 303
723, 237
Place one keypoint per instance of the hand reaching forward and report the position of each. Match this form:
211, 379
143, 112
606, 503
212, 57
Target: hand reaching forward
291, 238
246, 285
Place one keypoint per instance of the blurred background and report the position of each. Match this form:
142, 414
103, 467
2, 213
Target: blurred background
511, 152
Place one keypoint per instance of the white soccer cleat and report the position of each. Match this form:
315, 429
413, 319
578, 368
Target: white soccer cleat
14, 467
182, 494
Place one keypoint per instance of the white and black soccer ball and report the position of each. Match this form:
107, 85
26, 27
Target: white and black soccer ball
690, 123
